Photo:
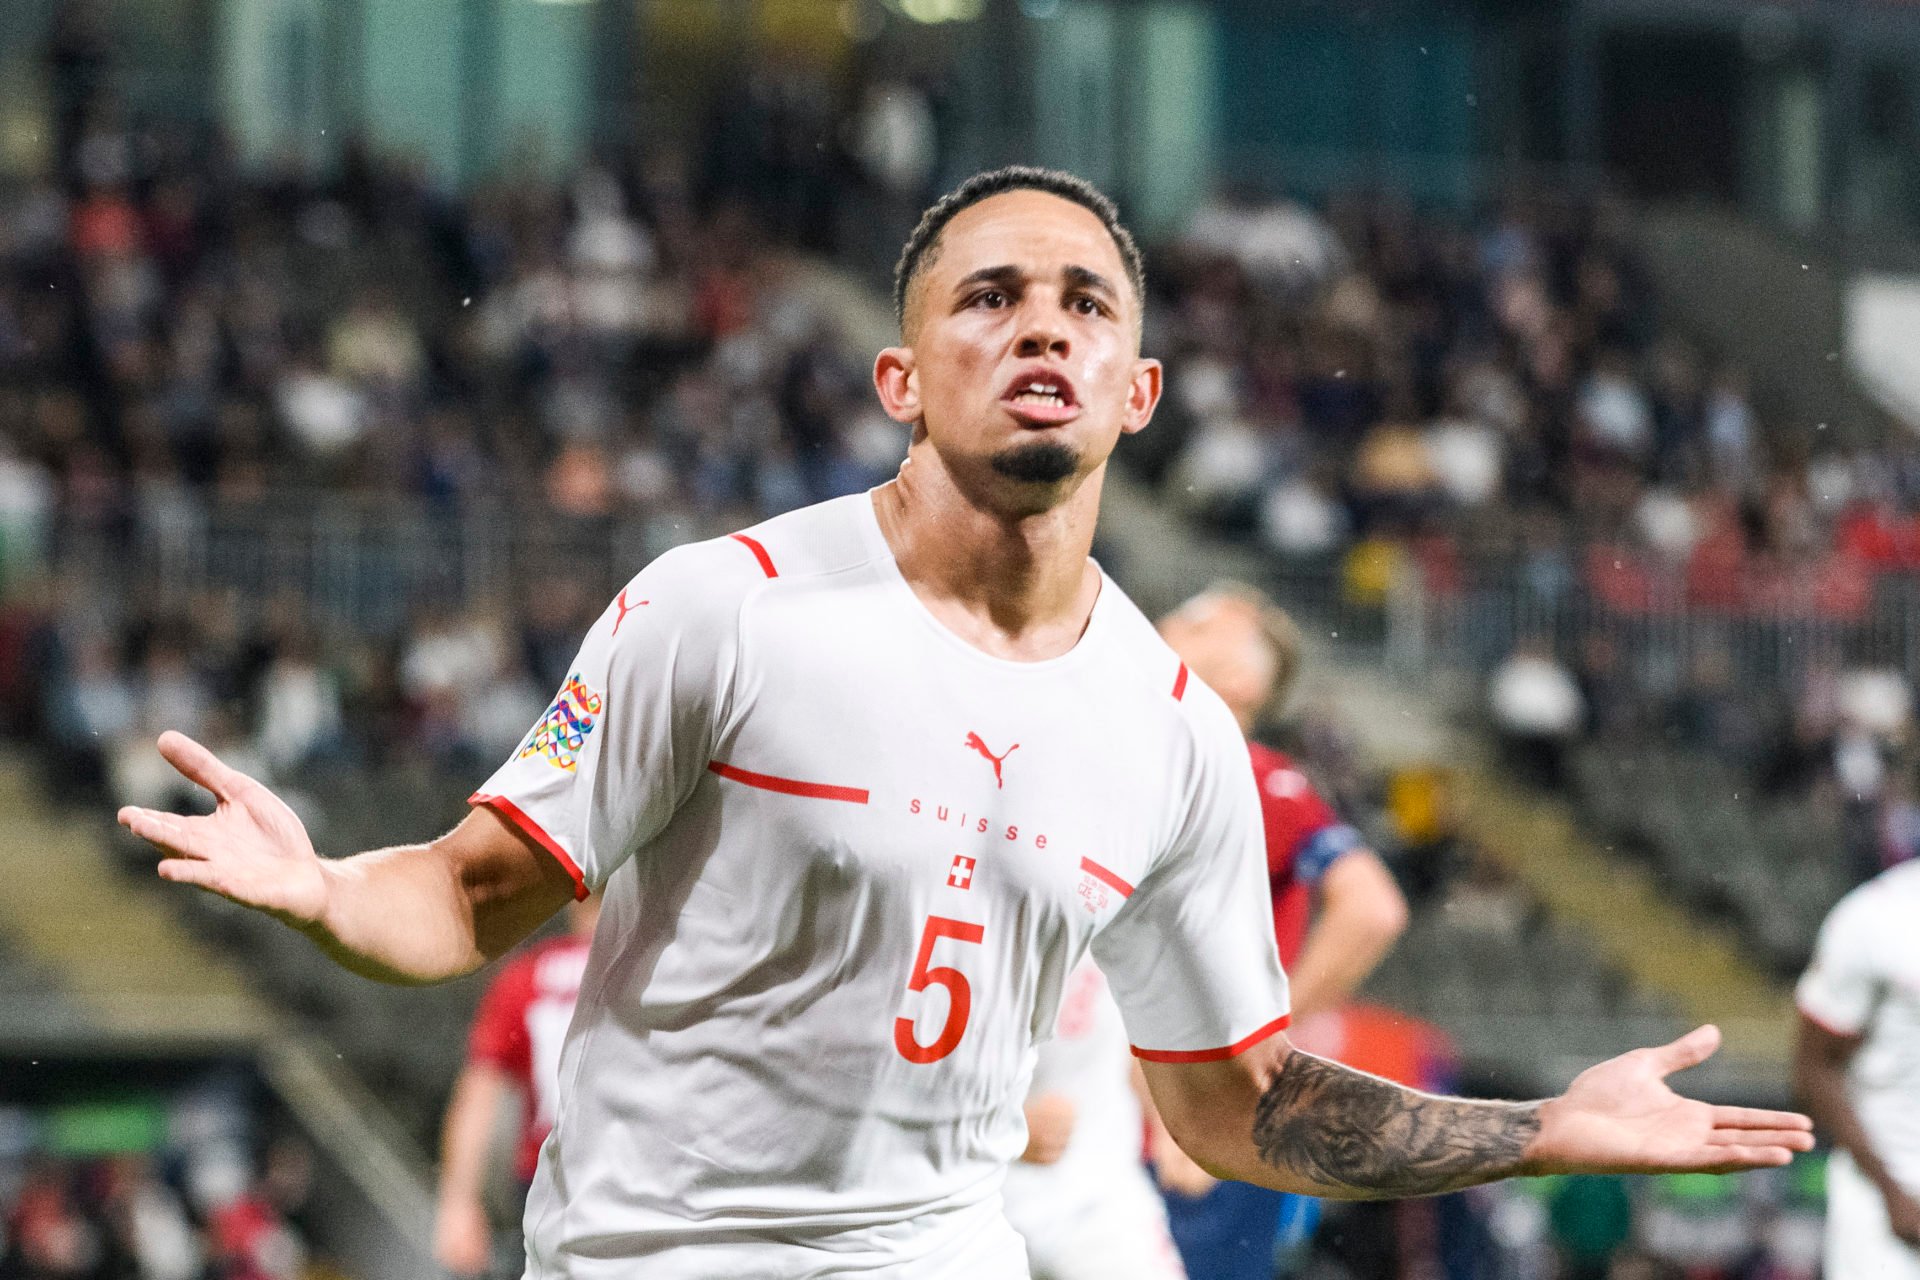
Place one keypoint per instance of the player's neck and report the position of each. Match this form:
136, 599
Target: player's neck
1015, 586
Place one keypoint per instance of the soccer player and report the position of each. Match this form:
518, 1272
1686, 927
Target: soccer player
1079, 1195
1247, 650
861, 785
1857, 1070
514, 1050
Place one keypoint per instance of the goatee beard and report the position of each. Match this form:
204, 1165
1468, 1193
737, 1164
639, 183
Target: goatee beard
1041, 462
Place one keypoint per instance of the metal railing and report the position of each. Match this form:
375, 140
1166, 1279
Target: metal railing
372, 564
367, 565
1468, 627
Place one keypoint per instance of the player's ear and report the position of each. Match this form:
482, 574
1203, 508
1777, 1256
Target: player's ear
897, 379
1143, 393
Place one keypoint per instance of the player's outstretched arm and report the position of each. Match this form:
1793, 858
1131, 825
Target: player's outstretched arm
1286, 1119
412, 914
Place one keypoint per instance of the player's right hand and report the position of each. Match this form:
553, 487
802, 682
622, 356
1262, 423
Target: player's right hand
251, 849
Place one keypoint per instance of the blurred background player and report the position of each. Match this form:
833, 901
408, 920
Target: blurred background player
1080, 1194
1248, 651
1857, 1069
513, 1052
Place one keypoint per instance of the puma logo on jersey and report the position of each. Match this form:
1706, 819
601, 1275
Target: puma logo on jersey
973, 741
624, 608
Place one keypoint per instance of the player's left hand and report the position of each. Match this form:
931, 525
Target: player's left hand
1620, 1117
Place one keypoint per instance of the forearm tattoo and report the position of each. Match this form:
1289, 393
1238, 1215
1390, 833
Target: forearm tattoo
1343, 1129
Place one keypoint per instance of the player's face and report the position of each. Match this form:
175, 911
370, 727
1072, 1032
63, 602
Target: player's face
1221, 642
1023, 365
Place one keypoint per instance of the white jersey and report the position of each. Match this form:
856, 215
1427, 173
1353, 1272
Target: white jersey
1865, 981
849, 861
1094, 1211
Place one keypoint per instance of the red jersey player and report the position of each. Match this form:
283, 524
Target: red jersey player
1248, 651
513, 1051
832, 933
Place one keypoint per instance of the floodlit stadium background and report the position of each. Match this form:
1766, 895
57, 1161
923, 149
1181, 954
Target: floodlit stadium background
1554, 361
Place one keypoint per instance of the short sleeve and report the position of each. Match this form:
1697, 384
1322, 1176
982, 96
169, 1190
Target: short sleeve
629, 734
499, 1036
1322, 848
1843, 983
1191, 956
1295, 815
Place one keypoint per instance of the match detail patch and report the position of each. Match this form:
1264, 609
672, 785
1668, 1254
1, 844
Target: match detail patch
564, 729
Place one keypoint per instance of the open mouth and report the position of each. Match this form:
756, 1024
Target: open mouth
1041, 396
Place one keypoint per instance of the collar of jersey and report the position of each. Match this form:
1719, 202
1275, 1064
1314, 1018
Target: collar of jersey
896, 582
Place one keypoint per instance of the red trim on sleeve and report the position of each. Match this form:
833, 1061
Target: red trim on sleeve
518, 817
759, 553
1114, 882
790, 786
1824, 1025
1233, 1050
1180, 683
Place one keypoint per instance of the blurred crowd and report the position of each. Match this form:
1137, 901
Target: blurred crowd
172, 332
182, 346
1491, 407
197, 1205
1490, 404
1498, 387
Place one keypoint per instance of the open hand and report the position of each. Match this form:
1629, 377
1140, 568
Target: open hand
251, 849
1620, 1117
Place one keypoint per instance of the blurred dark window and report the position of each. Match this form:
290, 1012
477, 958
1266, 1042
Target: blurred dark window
1671, 113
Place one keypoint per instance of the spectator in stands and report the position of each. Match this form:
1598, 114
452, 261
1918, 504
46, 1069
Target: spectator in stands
1282, 246
1537, 710
300, 715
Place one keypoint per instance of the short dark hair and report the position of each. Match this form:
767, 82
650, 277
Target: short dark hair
923, 244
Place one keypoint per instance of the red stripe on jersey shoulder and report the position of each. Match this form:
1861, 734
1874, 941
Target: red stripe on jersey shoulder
790, 786
534, 831
1114, 882
1180, 683
759, 553
1233, 1050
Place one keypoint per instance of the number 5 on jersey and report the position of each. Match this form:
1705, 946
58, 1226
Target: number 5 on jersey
959, 994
